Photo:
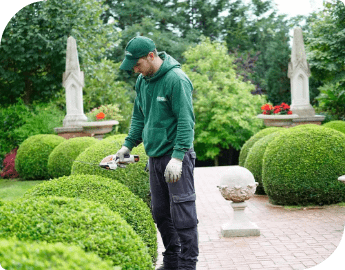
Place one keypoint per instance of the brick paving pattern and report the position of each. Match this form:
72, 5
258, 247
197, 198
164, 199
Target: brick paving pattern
290, 239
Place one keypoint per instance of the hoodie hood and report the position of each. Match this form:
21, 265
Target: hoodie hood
168, 64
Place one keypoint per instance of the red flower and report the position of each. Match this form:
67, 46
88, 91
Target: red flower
285, 106
289, 112
100, 116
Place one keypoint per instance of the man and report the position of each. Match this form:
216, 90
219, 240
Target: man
163, 120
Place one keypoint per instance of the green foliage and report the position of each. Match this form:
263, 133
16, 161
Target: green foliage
104, 88
252, 140
21, 255
61, 159
255, 156
306, 170
225, 110
256, 28
325, 43
90, 225
115, 195
11, 118
332, 99
337, 125
111, 112
32, 157
19, 121
33, 47
133, 176
43, 120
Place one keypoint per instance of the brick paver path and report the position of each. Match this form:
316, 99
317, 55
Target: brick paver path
290, 239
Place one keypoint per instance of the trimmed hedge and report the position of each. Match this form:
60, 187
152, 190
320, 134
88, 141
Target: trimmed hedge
337, 125
20, 255
302, 166
255, 156
118, 138
90, 225
133, 176
61, 159
32, 156
110, 192
249, 143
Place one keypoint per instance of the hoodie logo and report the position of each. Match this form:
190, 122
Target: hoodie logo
161, 99
128, 53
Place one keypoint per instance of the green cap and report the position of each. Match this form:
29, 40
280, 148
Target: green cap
137, 47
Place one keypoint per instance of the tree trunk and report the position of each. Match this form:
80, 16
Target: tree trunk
28, 89
216, 161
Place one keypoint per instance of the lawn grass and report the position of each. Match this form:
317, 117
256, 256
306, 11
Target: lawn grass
12, 189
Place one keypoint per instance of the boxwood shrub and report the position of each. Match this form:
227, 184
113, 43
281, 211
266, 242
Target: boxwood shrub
337, 125
61, 159
90, 225
133, 176
255, 158
118, 137
249, 143
32, 156
110, 192
21, 255
302, 166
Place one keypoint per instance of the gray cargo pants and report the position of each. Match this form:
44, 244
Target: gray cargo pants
174, 211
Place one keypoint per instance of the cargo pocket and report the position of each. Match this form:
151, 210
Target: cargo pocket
183, 211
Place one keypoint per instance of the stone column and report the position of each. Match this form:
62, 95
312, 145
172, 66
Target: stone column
73, 81
299, 73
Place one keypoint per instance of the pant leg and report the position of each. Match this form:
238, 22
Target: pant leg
183, 213
160, 201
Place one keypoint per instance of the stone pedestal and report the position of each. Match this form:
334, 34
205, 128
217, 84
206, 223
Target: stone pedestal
75, 123
240, 226
237, 185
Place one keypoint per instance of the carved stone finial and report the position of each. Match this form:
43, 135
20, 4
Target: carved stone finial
73, 81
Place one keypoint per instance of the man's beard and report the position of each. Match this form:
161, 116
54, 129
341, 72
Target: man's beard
150, 71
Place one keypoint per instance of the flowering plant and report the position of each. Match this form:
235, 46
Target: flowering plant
105, 112
282, 109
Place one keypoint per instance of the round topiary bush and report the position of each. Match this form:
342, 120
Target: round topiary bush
337, 125
110, 192
32, 156
16, 254
255, 158
118, 137
61, 159
249, 143
90, 225
302, 166
133, 176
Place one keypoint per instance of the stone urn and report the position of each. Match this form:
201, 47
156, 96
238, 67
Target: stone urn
278, 120
342, 179
97, 129
237, 185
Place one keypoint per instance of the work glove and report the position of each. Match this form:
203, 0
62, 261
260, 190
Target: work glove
122, 152
173, 171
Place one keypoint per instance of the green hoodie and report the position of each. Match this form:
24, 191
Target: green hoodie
163, 117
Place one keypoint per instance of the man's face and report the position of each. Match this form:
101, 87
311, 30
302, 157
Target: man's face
144, 66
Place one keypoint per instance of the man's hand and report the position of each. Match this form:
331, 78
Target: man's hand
173, 171
122, 152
